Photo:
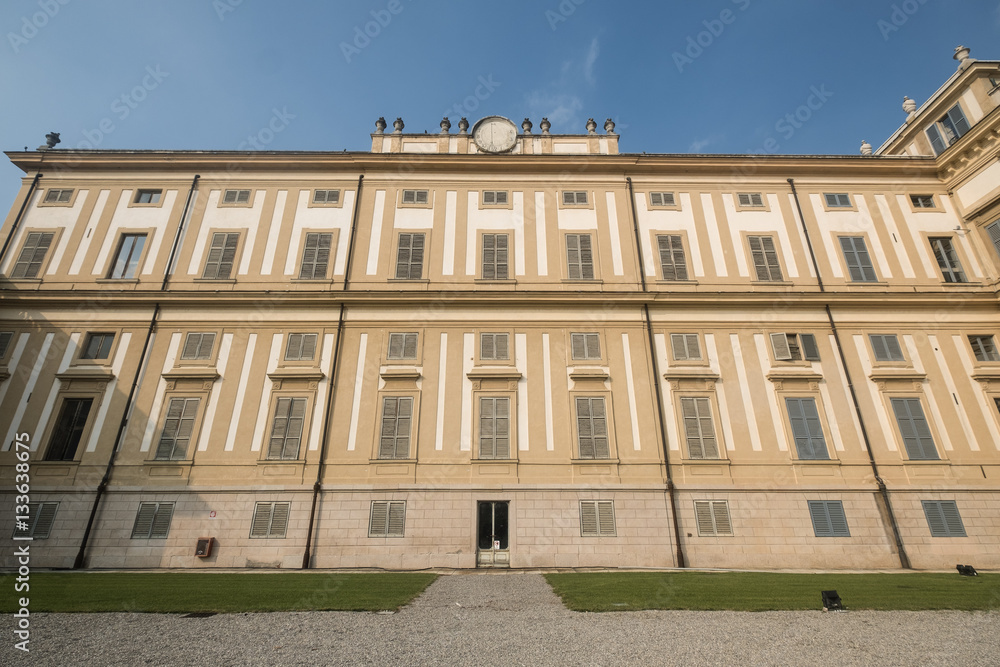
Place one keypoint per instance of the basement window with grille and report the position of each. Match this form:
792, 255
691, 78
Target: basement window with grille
943, 518
828, 518
39, 523
270, 520
388, 518
152, 520
712, 517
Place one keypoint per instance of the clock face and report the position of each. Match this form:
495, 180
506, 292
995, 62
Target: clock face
495, 134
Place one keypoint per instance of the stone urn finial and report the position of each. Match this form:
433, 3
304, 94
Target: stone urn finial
910, 107
591, 126
445, 125
609, 126
397, 126
962, 56
866, 148
51, 139
545, 125
526, 126
380, 125
463, 125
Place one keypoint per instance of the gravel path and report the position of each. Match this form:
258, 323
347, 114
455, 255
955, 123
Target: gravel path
514, 619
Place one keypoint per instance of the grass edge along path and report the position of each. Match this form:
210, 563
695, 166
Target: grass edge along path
182, 592
765, 591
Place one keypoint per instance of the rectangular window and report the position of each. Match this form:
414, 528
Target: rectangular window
493, 346
152, 520
947, 259
414, 196
403, 346
886, 347
685, 347
58, 196
493, 197
236, 197
597, 518
914, 429
794, 347
579, 257
585, 345
315, 256
943, 518
97, 346
828, 518
5, 338
68, 429
127, 257
672, 263
397, 417
699, 432
326, 196
807, 430
300, 347
494, 257
922, 201
592, 428
388, 518
994, 232
148, 196
859, 263
410, 257
270, 520
838, 200
198, 346
765, 258
984, 348
750, 199
494, 428
574, 198
39, 523
661, 199
221, 255
177, 429
712, 517
286, 431
29, 262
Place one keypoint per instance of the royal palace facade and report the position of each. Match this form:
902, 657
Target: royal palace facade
499, 347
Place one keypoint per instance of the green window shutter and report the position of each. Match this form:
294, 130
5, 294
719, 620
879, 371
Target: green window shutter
161, 520
279, 520
379, 519
994, 232
286, 429
261, 519
592, 429
886, 347
221, 255
937, 142
698, 428
943, 518
807, 430
397, 414
29, 262
779, 343
396, 519
606, 518
914, 429
589, 526
410, 257
810, 351
315, 256
828, 518
765, 258
177, 428
859, 263
672, 262
144, 520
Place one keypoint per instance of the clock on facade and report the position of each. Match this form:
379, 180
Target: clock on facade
495, 134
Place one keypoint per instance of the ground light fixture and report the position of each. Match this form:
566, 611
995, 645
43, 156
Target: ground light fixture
967, 571
832, 601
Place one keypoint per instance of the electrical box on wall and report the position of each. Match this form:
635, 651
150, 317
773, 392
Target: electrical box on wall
203, 549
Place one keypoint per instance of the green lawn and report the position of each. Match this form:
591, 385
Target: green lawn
214, 592
752, 591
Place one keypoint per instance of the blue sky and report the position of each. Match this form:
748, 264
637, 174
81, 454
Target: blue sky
716, 76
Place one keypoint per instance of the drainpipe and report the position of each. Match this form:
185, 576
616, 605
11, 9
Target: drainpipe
904, 561
334, 366
177, 236
78, 563
20, 215
656, 381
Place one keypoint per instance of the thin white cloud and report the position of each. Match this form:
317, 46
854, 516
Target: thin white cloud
588, 65
561, 110
698, 145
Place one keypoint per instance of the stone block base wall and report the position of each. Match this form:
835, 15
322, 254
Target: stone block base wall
770, 530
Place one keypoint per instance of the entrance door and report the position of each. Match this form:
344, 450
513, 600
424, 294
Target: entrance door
492, 547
